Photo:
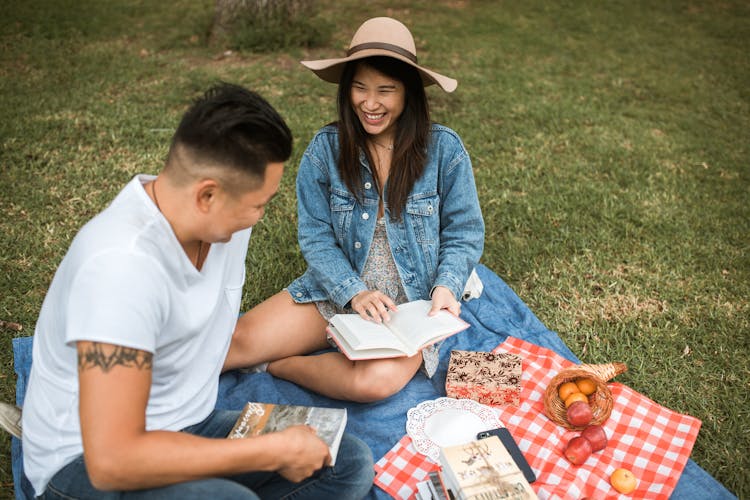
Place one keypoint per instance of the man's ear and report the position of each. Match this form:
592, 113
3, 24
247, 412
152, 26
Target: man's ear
206, 193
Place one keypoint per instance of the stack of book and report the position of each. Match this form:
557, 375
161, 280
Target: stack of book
433, 488
482, 470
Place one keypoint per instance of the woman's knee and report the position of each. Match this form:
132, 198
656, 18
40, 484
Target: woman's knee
377, 380
274, 329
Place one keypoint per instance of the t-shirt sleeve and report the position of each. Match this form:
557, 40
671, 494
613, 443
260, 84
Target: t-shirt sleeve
117, 298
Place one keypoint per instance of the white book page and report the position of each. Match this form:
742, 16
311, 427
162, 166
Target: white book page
413, 324
354, 354
363, 334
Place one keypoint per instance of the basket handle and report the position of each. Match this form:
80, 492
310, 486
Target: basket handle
606, 371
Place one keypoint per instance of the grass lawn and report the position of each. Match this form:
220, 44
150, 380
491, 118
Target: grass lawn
609, 139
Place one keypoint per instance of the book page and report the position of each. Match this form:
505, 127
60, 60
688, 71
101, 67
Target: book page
363, 334
413, 324
355, 354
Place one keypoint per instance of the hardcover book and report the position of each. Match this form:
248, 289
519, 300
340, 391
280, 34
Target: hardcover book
483, 470
262, 418
489, 378
409, 330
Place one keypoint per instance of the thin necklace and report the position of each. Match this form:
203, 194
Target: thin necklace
389, 147
156, 202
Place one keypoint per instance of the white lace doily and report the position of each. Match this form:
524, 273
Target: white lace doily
446, 422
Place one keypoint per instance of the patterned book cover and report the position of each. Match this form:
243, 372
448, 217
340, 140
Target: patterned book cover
489, 378
483, 470
262, 418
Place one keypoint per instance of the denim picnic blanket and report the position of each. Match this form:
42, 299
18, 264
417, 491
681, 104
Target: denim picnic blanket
494, 316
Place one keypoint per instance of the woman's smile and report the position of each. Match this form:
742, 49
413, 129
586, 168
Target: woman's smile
378, 101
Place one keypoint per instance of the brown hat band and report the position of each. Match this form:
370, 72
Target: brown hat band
384, 46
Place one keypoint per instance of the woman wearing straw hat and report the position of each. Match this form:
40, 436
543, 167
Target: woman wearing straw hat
388, 213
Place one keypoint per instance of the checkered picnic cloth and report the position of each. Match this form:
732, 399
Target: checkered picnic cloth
650, 440
399, 471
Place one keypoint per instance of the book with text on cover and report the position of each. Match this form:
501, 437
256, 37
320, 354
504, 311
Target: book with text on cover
409, 330
263, 418
483, 469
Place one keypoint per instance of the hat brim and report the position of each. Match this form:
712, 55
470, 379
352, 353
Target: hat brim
330, 70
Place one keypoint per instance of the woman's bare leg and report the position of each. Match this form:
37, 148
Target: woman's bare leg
280, 331
332, 374
274, 329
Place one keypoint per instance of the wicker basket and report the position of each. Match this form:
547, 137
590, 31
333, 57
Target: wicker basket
600, 401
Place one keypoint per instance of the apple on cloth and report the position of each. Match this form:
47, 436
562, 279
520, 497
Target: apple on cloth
578, 450
596, 436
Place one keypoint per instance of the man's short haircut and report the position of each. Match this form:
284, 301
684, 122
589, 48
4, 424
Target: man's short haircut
235, 128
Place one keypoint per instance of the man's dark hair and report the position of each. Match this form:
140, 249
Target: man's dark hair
231, 126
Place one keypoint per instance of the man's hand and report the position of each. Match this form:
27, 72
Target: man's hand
307, 453
373, 305
442, 298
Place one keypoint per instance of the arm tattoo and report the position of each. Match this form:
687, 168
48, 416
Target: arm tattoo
108, 357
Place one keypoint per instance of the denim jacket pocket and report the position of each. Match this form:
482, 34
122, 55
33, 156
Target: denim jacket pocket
342, 208
424, 215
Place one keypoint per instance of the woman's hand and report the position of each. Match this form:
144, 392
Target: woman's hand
442, 298
373, 305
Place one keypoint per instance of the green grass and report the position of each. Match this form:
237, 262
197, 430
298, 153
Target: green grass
610, 143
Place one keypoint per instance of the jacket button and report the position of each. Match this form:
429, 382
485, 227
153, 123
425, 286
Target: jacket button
365, 216
368, 185
357, 245
299, 294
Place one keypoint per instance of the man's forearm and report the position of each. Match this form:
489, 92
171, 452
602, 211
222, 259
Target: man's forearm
160, 458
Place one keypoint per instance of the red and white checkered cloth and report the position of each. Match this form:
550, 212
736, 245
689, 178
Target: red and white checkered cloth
650, 440
399, 471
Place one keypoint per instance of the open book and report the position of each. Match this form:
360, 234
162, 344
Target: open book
262, 418
409, 330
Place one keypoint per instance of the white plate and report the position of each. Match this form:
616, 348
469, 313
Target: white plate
446, 422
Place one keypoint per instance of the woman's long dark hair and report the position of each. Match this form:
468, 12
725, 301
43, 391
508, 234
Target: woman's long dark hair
410, 140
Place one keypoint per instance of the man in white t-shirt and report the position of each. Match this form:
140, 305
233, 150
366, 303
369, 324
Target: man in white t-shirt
137, 324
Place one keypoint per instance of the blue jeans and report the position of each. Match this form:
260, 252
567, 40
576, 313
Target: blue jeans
351, 477
697, 484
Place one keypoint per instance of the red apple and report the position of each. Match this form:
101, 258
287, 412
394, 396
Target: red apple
578, 450
579, 414
596, 436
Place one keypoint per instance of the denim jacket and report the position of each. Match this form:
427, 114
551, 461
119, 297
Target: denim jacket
438, 240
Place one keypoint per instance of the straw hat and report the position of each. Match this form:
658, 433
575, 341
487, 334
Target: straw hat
380, 36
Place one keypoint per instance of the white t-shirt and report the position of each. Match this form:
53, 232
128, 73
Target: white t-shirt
127, 281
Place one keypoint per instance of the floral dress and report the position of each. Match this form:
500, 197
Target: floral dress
380, 273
